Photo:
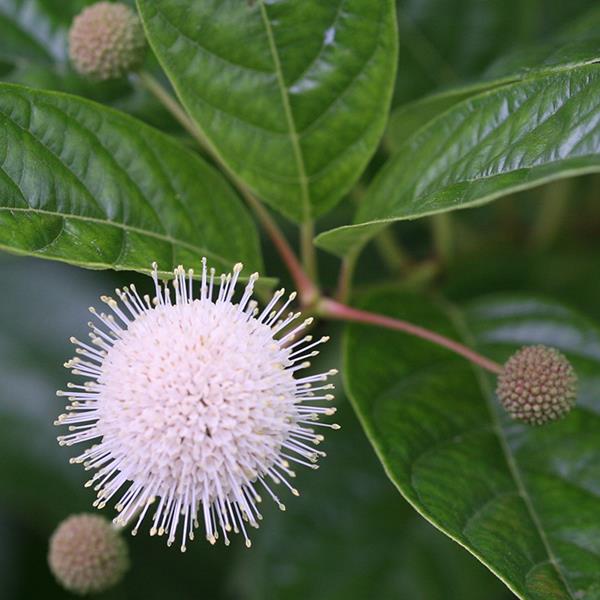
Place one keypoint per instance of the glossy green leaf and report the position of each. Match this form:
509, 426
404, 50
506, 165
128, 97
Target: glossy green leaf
87, 185
507, 139
409, 118
349, 537
524, 500
293, 95
576, 45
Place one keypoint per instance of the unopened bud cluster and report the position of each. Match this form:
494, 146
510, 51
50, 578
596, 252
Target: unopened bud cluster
87, 555
537, 385
106, 41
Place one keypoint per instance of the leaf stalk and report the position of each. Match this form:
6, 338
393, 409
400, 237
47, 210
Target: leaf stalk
336, 310
308, 293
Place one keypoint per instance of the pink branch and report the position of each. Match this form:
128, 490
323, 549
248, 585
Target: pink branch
307, 291
336, 310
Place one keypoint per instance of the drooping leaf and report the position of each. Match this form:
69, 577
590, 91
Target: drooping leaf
574, 46
87, 185
292, 95
524, 500
510, 138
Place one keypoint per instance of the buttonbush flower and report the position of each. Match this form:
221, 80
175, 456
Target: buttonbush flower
106, 41
537, 385
87, 555
196, 404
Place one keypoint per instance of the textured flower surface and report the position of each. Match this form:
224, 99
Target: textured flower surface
87, 555
538, 384
106, 41
195, 404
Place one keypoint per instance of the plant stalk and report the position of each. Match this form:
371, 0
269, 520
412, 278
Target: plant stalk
336, 310
344, 287
391, 252
308, 293
442, 230
307, 249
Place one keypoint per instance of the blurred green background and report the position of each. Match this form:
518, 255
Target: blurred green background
349, 535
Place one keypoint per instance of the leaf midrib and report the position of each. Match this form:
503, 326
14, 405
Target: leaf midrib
291, 124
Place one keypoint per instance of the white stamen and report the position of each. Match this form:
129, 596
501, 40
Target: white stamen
195, 403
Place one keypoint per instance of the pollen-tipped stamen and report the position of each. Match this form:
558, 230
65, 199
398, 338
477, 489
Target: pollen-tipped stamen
195, 402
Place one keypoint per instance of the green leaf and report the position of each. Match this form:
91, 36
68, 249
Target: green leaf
349, 511
292, 95
87, 185
524, 500
507, 139
576, 45
409, 118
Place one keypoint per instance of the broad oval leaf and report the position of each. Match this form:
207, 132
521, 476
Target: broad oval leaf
293, 94
525, 501
90, 186
507, 139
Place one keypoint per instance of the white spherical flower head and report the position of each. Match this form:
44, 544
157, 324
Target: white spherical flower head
195, 404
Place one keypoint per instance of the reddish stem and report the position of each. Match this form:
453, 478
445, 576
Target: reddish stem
307, 291
336, 310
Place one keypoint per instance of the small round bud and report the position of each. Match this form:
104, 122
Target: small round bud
87, 555
537, 385
106, 41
